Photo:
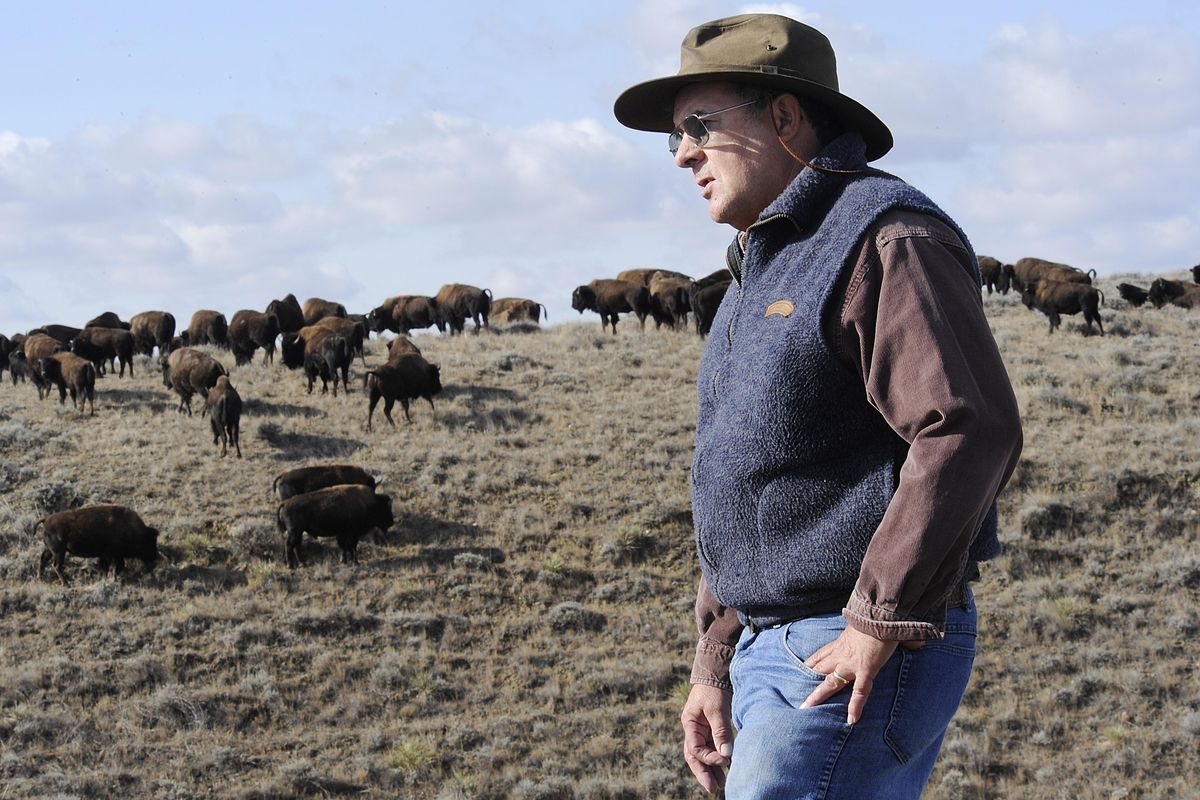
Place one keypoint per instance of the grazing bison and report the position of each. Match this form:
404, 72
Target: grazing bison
1178, 293
208, 327
705, 302
644, 276
152, 329
108, 533
458, 301
345, 512
610, 298
993, 275
321, 353
1053, 298
188, 372
404, 378
69, 373
308, 479
1134, 295
102, 346
250, 330
288, 312
316, 309
517, 309
224, 408
1028, 270
108, 319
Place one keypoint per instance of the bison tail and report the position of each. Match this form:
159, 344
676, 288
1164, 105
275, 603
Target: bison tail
1101, 296
275, 484
545, 311
33, 532
279, 523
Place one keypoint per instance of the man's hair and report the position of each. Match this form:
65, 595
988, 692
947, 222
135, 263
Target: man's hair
826, 126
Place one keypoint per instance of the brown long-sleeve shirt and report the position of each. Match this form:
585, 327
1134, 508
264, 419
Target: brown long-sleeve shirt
908, 318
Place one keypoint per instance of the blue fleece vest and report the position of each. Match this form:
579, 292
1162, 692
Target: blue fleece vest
793, 468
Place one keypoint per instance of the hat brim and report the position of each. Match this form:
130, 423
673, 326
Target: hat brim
650, 106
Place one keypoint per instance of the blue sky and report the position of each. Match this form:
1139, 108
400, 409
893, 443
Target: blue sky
219, 155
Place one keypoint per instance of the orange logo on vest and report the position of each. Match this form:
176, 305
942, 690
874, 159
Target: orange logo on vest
782, 308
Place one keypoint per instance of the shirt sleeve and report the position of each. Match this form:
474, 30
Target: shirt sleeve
719, 628
912, 324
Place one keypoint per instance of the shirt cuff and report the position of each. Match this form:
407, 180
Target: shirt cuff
711, 665
866, 617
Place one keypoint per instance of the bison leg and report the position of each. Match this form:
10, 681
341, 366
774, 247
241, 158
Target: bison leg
388, 402
235, 433
118, 566
292, 548
43, 562
373, 400
60, 564
404, 405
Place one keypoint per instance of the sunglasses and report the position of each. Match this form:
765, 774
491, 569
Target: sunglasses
693, 125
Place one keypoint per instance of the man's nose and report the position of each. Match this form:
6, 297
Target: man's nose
688, 153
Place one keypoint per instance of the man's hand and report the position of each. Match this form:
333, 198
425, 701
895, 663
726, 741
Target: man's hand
708, 735
852, 658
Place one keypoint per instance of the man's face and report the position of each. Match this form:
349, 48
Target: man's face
740, 170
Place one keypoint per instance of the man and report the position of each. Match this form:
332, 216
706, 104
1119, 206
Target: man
855, 426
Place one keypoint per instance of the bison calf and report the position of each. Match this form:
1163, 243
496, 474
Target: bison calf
109, 533
345, 512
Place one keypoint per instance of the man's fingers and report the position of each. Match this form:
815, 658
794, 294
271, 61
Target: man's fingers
858, 700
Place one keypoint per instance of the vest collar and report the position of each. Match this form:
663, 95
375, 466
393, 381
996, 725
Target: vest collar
806, 197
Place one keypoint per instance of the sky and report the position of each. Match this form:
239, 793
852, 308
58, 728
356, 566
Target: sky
219, 155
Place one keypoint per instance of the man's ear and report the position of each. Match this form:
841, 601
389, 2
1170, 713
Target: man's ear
787, 115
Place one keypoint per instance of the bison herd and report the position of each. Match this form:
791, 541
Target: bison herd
666, 297
1056, 289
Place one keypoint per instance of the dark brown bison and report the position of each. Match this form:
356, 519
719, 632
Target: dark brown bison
507, 310
224, 408
400, 346
19, 368
1178, 293
458, 301
354, 331
108, 533
611, 298
644, 276
992, 275
63, 334
288, 312
1196, 273
316, 309
321, 353
379, 318
705, 302
102, 346
188, 372
670, 300
208, 327
152, 329
345, 512
108, 319
1053, 299
73, 374
1135, 295
309, 479
416, 312
404, 378
1028, 270
722, 275
250, 330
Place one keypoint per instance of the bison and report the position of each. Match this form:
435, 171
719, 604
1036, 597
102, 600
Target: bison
1028, 270
224, 407
353, 331
189, 371
1196, 273
316, 309
644, 276
705, 302
6, 349
610, 298
517, 309
398, 347
19, 368
63, 334
1135, 295
345, 512
1178, 293
208, 327
109, 533
1053, 298
288, 312
308, 479
102, 346
152, 329
108, 319
404, 378
670, 300
41, 345
459, 301
321, 353
993, 275
73, 374
250, 330
416, 312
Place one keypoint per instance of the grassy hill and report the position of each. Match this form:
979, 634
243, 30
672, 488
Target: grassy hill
525, 630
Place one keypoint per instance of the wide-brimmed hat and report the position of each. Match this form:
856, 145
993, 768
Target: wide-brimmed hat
760, 49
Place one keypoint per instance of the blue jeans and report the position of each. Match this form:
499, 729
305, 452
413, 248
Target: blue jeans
784, 751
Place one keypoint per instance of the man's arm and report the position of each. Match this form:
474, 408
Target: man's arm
706, 719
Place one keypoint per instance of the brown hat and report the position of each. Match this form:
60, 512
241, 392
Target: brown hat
760, 49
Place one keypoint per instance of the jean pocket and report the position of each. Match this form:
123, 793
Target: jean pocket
804, 637
929, 689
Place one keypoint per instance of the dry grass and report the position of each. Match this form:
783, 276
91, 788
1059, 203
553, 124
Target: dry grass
525, 631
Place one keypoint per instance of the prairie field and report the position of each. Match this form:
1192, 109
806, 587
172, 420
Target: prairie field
525, 628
